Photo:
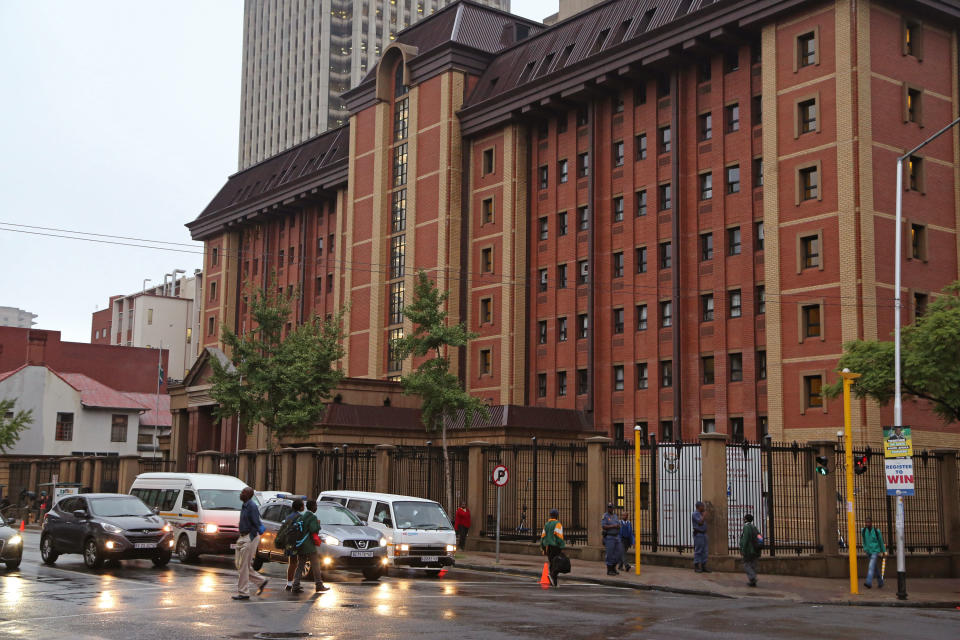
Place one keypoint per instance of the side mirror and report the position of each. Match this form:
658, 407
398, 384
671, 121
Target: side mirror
79, 514
156, 510
11, 521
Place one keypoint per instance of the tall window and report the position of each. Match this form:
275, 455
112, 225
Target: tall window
758, 235
706, 307
761, 299
706, 126
641, 317
666, 313
918, 242
618, 377
398, 211
813, 391
118, 428
706, 363
561, 276
583, 217
486, 211
64, 426
561, 383
618, 264
761, 365
641, 144
811, 321
400, 165
583, 271
706, 186
541, 385
666, 373
643, 375
401, 117
562, 171
562, 223
396, 302
544, 176
583, 325
542, 280
641, 259
733, 118
618, 153
618, 320
618, 209
706, 246
736, 367
666, 255
486, 260
736, 303
641, 203
562, 329
807, 116
666, 140
809, 183
486, 366
806, 49
583, 165
733, 179
666, 197
541, 332
810, 251
486, 310
398, 250
733, 241
582, 382
544, 227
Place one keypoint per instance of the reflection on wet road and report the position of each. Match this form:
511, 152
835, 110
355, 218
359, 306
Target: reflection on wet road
135, 600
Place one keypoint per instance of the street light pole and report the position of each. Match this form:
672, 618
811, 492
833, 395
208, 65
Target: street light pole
897, 400
848, 379
636, 496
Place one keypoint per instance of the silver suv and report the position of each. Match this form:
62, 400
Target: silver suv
348, 543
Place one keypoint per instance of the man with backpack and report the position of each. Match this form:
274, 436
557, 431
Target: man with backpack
552, 544
284, 540
750, 544
874, 548
306, 533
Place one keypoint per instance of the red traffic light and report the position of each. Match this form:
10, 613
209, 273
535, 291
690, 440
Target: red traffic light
860, 464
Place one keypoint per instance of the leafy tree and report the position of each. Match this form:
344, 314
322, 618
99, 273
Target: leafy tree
441, 392
11, 424
930, 353
281, 383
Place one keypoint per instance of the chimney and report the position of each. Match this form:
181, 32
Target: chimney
36, 347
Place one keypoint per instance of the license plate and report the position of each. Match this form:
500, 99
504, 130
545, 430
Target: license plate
361, 554
430, 558
233, 546
145, 545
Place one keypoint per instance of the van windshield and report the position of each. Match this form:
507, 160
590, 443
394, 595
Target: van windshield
328, 514
221, 499
421, 515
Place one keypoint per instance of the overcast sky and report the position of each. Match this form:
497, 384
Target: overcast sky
118, 118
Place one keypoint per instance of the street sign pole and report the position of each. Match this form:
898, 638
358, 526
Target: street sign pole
498, 525
499, 477
636, 497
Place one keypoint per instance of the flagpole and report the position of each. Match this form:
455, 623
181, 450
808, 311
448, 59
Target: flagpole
156, 427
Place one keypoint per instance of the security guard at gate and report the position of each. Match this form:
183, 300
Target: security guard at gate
610, 523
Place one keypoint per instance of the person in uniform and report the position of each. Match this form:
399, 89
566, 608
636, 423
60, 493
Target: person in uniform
552, 543
699, 520
627, 540
610, 523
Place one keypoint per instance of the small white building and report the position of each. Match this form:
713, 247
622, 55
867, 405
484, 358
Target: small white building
73, 414
13, 317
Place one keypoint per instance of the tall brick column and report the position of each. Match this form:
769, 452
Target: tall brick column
127, 472
596, 490
384, 464
86, 472
827, 499
288, 472
245, 463
97, 482
947, 486
260, 467
303, 481
713, 489
477, 475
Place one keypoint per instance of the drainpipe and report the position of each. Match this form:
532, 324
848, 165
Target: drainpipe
528, 286
303, 263
675, 243
591, 264
463, 269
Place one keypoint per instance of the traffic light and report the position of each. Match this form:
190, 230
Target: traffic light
860, 464
822, 465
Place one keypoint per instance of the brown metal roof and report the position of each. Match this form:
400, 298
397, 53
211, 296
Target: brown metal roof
318, 164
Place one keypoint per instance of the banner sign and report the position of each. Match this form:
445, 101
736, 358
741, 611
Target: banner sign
744, 491
897, 442
899, 475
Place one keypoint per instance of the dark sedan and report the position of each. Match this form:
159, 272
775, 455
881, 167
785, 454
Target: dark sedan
105, 526
11, 546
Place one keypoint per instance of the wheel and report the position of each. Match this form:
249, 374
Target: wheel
184, 552
257, 564
47, 551
13, 565
372, 573
91, 554
161, 560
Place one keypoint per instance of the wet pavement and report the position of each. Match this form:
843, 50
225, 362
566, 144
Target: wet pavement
135, 600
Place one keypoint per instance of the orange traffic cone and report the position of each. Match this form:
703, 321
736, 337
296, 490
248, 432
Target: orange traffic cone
22, 526
545, 576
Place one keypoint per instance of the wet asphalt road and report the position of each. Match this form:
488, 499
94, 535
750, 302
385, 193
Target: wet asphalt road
136, 601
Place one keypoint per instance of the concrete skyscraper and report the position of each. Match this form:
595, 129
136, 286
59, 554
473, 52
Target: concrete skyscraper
300, 55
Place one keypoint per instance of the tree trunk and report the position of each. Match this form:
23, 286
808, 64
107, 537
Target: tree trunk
446, 468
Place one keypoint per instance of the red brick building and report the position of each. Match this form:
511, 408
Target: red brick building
668, 214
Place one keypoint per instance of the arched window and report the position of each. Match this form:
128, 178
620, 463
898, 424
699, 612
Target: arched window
399, 88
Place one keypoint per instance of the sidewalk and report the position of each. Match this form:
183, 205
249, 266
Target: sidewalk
940, 593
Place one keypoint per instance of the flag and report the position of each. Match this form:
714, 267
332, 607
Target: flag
161, 375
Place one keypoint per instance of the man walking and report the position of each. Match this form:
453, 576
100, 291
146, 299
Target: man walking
250, 529
461, 523
874, 548
308, 549
699, 520
627, 540
552, 543
610, 523
750, 549
291, 551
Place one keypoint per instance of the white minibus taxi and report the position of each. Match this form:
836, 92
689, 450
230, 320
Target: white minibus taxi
203, 508
418, 531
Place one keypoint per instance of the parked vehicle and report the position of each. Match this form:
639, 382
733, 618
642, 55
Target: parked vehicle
418, 532
204, 509
348, 544
11, 545
105, 526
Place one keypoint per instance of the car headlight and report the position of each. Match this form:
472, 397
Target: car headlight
331, 540
111, 528
451, 548
167, 528
209, 528
15, 540
383, 542
403, 547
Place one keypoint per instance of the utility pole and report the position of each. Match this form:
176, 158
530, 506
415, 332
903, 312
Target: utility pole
848, 379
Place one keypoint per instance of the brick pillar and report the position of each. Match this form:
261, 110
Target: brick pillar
32, 482
596, 490
97, 483
127, 472
303, 480
827, 498
65, 469
947, 486
288, 470
477, 475
384, 464
244, 463
86, 473
205, 461
260, 466
713, 467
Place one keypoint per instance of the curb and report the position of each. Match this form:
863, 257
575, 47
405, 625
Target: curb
601, 581
713, 594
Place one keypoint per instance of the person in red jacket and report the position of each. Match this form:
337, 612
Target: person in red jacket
461, 522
